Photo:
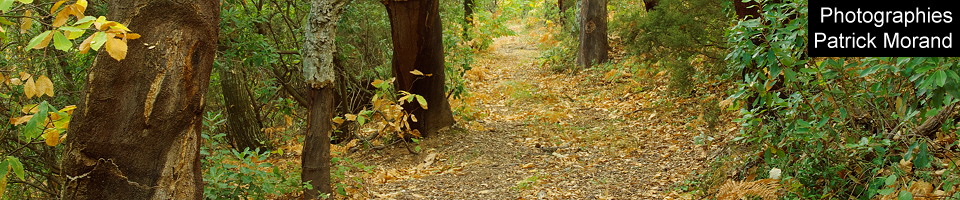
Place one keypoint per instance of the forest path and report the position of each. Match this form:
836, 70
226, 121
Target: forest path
541, 134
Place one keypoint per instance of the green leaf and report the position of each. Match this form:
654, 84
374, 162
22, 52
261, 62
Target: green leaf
890, 180
34, 127
905, 195
422, 101
5, 5
99, 39
886, 191
4, 168
870, 70
61, 42
36, 40
940, 77
17, 167
85, 20
923, 157
71, 29
361, 120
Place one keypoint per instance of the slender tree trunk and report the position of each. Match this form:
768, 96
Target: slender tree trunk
136, 135
319, 73
593, 33
418, 44
467, 18
245, 129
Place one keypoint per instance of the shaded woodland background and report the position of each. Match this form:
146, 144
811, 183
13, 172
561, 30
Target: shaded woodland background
802, 127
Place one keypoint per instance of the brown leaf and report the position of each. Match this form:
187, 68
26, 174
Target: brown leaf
51, 137
30, 88
20, 120
26, 22
44, 86
85, 45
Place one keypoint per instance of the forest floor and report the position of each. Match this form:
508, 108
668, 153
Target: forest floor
541, 134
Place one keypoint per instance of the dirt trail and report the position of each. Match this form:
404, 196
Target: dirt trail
540, 134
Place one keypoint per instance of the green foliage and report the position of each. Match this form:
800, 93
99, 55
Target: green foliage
232, 174
834, 125
689, 31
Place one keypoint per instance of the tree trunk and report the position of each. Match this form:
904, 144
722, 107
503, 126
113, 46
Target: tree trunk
136, 135
245, 129
320, 76
593, 33
467, 18
418, 44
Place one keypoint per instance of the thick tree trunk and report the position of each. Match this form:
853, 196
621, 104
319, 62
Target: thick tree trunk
593, 33
136, 135
245, 129
318, 71
418, 44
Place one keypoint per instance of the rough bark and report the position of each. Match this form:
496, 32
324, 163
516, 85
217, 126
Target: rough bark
319, 74
244, 128
593, 33
930, 127
136, 135
418, 44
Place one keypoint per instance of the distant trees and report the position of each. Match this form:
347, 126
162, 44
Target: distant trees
417, 45
593, 33
243, 124
136, 134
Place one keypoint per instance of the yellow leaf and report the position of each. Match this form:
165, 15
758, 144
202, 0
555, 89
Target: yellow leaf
62, 17
416, 72
20, 120
30, 88
117, 48
85, 45
82, 6
15, 81
30, 108
131, 36
376, 82
76, 10
24, 75
52, 137
27, 22
44, 86
351, 117
69, 109
45, 42
338, 120
57, 5
413, 118
4, 79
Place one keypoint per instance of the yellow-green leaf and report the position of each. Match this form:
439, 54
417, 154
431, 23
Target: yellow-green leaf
5, 5
44, 86
69, 109
40, 41
117, 48
422, 101
99, 39
26, 1
61, 42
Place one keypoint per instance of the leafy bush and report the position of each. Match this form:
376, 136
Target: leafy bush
838, 127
